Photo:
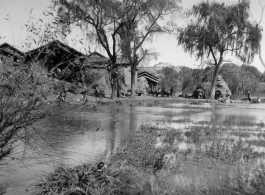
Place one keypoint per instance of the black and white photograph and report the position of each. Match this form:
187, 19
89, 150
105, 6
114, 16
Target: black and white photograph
132, 97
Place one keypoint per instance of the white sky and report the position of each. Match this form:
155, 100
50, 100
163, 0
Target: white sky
165, 45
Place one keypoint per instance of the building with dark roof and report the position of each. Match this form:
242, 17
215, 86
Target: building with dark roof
10, 51
147, 79
66, 63
61, 60
9, 57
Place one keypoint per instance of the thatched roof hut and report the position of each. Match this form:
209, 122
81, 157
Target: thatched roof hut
221, 89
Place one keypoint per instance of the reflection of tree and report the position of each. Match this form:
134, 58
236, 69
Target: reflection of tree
115, 135
213, 116
232, 117
132, 119
122, 124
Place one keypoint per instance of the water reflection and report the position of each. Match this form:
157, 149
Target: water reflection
74, 136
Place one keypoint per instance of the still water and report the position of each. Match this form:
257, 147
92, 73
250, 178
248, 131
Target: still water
73, 135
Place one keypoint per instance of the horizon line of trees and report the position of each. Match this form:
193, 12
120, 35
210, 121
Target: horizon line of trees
121, 28
239, 79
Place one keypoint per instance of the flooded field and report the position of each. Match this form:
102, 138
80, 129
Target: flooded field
77, 134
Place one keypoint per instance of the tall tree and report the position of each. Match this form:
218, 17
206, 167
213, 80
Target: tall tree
169, 77
217, 29
185, 79
120, 27
258, 23
100, 22
143, 19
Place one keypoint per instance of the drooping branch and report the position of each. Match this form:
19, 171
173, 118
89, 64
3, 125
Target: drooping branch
216, 29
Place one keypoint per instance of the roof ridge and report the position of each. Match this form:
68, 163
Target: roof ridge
95, 52
13, 47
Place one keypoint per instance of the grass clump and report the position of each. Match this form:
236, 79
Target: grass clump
86, 179
233, 122
140, 167
228, 153
259, 142
241, 134
141, 152
184, 120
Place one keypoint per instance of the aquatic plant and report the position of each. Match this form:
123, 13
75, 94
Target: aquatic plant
142, 167
228, 152
114, 179
241, 134
140, 151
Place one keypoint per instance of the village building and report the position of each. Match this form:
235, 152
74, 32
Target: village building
147, 79
8, 51
58, 59
9, 59
10, 55
65, 63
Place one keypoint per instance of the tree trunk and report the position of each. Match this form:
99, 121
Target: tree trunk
215, 74
113, 79
133, 73
213, 85
114, 90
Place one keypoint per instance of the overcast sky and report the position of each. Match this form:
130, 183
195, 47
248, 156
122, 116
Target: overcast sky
165, 45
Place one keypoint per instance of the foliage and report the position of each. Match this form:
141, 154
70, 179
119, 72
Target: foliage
143, 166
140, 151
240, 79
169, 77
99, 90
99, 22
218, 29
114, 179
228, 153
189, 79
142, 19
54, 58
260, 89
119, 27
186, 80
20, 106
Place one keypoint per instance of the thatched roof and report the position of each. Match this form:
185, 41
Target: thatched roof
96, 60
9, 50
221, 88
52, 49
150, 70
148, 76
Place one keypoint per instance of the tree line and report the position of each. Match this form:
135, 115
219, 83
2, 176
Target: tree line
121, 28
239, 79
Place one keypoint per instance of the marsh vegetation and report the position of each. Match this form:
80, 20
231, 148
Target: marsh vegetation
174, 156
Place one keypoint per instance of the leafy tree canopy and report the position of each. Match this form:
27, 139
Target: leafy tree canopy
216, 29
221, 28
119, 26
169, 77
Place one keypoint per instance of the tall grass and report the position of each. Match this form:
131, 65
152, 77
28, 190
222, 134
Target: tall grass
114, 179
151, 163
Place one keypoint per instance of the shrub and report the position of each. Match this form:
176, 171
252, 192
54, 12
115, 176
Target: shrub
19, 108
112, 180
